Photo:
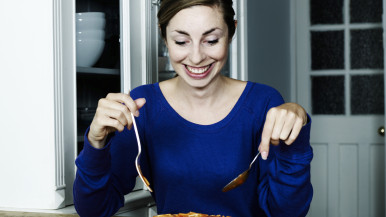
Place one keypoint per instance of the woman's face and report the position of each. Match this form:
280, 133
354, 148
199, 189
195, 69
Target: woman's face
197, 39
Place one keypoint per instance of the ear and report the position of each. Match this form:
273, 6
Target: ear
235, 24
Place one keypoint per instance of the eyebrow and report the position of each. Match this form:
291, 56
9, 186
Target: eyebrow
205, 33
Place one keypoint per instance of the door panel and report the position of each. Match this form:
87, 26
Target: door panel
340, 83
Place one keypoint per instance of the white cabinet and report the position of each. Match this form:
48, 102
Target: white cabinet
37, 109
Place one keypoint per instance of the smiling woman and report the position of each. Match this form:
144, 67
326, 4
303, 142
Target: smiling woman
198, 131
198, 47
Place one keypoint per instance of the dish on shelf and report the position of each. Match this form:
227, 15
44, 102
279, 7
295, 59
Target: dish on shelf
88, 23
88, 51
93, 34
90, 14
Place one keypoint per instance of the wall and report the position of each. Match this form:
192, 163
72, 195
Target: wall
269, 44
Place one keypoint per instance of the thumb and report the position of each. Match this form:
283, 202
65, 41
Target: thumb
140, 102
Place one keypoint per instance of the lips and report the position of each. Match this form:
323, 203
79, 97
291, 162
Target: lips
198, 72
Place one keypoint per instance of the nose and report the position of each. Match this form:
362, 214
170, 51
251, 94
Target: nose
197, 54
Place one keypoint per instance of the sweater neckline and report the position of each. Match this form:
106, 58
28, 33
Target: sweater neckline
177, 117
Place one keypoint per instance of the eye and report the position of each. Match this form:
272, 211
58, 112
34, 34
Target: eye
180, 42
213, 42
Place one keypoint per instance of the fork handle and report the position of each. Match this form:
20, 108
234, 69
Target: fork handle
254, 159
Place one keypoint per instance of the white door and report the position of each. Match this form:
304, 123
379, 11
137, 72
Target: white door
340, 81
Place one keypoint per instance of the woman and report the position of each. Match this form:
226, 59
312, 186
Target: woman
198, 130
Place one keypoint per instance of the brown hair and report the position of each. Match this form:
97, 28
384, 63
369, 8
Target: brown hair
169, 8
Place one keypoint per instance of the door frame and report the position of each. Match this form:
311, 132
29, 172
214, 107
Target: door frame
384, 77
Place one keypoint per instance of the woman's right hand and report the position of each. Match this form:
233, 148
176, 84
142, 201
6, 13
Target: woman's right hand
112, 114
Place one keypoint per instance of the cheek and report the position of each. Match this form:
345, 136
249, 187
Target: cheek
177, 55
220, 53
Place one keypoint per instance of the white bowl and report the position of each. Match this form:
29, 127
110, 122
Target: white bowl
90, 14
88, 52
90, 23
91, 34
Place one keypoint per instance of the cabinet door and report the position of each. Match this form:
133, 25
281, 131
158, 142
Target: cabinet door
37, 140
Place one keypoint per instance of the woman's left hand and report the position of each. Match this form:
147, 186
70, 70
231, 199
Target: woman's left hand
282, 123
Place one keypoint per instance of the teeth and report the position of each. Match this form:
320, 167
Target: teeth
197, 70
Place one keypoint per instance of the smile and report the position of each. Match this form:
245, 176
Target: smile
198, 70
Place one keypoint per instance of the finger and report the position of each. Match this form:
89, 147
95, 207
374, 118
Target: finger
275, 142
288, 125
113, 123
118, 111
105, 121
125, 99
278, 127
295, 131
117, 115
140, 102
266, 135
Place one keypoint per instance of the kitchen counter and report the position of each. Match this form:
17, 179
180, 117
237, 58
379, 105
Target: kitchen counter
135, 200
33, 214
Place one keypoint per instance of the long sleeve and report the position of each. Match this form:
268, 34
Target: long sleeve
188, 164
103, 177
285, 187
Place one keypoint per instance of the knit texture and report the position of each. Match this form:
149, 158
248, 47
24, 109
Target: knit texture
188, 164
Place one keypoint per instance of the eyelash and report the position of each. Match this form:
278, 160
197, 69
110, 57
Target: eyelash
181, 43
213, 42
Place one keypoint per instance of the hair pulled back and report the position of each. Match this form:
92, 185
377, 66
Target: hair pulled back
169, 8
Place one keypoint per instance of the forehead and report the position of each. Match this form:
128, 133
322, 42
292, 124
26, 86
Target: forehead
198, 16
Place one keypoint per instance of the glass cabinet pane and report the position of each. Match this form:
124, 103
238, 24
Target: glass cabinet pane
95, 81
326, 12
365, 11
366, 49
367, 95
327, 50
328, 95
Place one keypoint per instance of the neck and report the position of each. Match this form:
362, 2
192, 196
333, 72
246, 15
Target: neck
204, 96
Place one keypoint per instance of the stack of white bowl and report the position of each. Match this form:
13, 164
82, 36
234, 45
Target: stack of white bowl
90, 37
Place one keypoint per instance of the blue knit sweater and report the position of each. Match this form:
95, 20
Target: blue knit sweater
188, 164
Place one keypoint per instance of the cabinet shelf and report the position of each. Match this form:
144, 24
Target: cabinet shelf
100, 71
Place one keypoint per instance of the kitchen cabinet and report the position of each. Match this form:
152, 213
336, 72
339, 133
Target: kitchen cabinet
38, 111
47, 101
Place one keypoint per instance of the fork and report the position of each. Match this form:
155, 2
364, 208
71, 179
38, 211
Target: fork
239, 180
137, 159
